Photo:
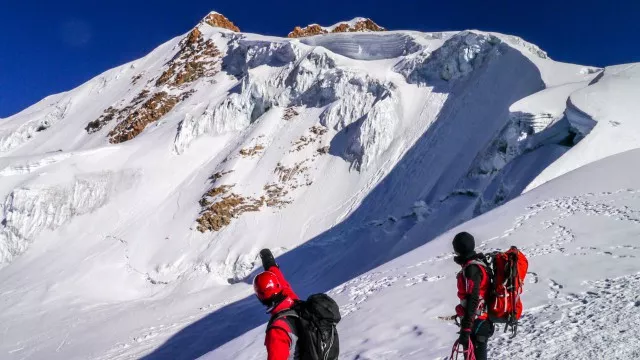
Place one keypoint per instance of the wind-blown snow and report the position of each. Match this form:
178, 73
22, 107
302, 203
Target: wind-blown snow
350, 155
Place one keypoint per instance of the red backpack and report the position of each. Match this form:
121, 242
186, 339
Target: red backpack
507, 271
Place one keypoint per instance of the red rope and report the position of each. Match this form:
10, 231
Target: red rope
468, 354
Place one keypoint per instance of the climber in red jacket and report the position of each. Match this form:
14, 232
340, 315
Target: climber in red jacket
274, 292
473, 285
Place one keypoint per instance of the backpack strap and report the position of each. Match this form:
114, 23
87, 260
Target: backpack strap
281, 315
484, 269
476, 262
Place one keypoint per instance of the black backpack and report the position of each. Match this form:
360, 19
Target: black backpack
316, 320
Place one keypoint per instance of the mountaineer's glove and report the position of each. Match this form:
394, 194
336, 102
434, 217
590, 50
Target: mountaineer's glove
267, 259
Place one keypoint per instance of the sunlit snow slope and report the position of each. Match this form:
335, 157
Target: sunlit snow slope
579, 232
135, 205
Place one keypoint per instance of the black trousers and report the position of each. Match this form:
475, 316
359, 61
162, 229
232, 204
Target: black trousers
480, 333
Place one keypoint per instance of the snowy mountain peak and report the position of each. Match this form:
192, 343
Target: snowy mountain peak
150, 189
216, 19
358, 24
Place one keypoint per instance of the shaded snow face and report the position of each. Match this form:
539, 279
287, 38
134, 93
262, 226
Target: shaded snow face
375, 133
456, 58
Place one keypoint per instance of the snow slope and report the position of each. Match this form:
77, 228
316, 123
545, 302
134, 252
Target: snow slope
135, 205
580, 234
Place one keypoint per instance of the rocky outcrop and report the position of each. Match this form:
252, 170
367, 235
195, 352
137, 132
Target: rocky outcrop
361, 25
196, 59
220, 205
309, 30
251, 151
218, 20
355, 25
314, 135
224, 202
153, 109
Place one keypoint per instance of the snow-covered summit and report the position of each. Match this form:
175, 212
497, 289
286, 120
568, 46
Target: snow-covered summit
150, 189
358, 24
216, 19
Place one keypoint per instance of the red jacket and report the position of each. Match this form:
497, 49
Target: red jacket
473, 285
279, 340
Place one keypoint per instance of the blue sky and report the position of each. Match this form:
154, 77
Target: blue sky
51, 46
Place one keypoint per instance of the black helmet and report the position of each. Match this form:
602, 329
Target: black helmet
464, 244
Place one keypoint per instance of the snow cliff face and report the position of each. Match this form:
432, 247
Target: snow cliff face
302, 77
29, 129
163, 178
459, 56
27, 211
605, 123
